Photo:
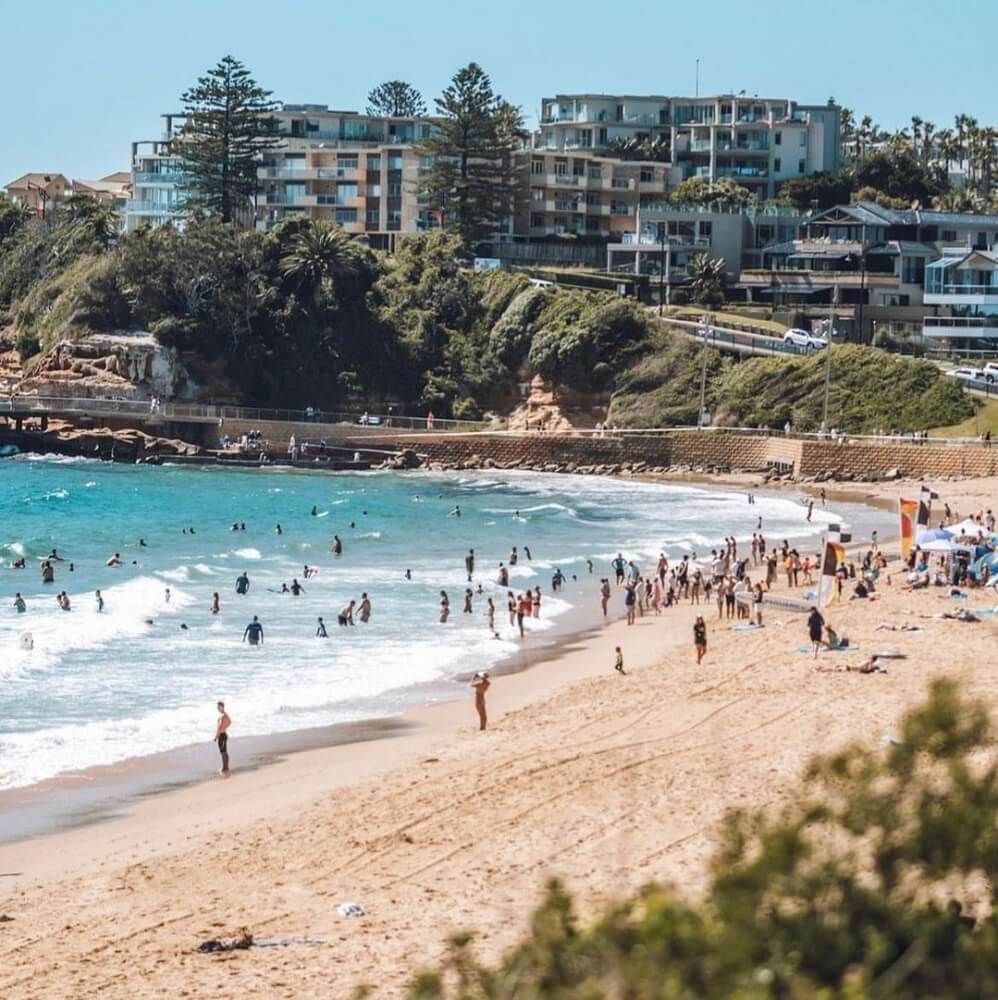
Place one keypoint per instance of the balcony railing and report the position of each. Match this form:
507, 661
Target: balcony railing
961, 322
158, 177
932, 289
742, 172
154, 208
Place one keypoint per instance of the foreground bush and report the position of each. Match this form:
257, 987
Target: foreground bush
876, 881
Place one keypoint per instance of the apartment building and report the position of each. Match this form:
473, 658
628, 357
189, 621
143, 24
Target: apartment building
964, 285
756, 142
157, 177
874, 261
666, 238
360, 171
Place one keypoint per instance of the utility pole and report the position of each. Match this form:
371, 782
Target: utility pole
697, 94
661, 264
703, 371
828, 356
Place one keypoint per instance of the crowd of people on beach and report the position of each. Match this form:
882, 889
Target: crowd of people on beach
737, 583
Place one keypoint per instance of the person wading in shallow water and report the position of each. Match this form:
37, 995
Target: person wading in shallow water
480, 683
222, 737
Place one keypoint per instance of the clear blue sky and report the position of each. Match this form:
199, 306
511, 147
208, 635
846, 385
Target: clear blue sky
80, 81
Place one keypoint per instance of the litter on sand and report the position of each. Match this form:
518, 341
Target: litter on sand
238, 942
350, 910
825, 649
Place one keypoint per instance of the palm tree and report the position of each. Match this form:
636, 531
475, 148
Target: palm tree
706, 279
928, 140
916, 133
319, 255
949, 146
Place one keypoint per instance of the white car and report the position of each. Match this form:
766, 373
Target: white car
805, 339
968, 374
991, 371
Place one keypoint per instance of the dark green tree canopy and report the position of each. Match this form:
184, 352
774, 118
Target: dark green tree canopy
397, 99
229, 126
470, 185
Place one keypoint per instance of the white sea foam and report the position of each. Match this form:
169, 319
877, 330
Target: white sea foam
248, 553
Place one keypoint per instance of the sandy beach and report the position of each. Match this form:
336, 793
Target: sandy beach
607, 781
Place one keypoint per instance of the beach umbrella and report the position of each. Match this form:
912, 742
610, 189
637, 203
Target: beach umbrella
932, 535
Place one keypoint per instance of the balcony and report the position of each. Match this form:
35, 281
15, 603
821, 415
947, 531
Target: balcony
165, 177
750, 173
651, 241
802, 279
960, 326
154, 208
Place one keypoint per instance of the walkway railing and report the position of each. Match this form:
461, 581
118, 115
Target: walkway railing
209, 413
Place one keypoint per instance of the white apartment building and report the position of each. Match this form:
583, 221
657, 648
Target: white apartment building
756, 142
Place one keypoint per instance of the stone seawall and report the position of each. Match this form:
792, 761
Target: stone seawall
714, 451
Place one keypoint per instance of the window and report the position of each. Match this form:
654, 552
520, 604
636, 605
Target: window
346, 162
394, 161
374, 190
803, 139
595, 173
948, 236
706, 229
537, 194
620, 112
374, 164
601, 136
777, 165
536, 167
345, 191
801, 165
346, 215
578, 168
592, 198
560, 168
685, 230
647, 174
394, 190
777, 138
912, 270
372, 217
537, 221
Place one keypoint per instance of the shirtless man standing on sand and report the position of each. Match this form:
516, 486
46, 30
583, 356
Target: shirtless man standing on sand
222, 737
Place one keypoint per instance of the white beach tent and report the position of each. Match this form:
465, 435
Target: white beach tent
968, 527
945, 545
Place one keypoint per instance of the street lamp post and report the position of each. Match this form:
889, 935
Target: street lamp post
661, 265
703, 371
43, 192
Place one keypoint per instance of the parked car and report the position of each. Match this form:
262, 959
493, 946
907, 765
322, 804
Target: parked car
969, 374
991, 371
803, 338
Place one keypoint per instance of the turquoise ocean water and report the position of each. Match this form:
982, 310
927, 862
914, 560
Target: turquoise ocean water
99, 688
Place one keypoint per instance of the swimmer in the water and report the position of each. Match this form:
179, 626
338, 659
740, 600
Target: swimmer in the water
183, 627
320, 632
456, 512
115, 560
253, 633
167, 595
72, 568
315, 511
337, 546
242, 583
408, 574
235, 526
55, 556
526, 551
242, 525
19, 606
215, 608
278, 529
99, 601
364, 610
352, 524
142, 543
296, 587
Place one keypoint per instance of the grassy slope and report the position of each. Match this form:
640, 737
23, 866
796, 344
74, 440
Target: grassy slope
986, 419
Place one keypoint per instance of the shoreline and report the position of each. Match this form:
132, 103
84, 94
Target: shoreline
608, 782
106, 792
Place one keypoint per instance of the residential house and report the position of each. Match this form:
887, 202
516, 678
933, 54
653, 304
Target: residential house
39, 191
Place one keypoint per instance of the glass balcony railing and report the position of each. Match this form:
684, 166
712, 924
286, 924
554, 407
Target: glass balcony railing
154, 208
158, 177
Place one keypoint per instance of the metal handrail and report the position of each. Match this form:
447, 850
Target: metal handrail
19, 403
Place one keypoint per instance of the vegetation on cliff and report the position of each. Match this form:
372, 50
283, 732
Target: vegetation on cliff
869, 390
304, 315
876, 879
